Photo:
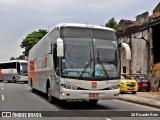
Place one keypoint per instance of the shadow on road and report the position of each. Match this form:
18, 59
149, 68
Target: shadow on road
72, 104
5, 82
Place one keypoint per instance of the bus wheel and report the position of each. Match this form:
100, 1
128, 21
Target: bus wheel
49, 94
14, 80
93, 101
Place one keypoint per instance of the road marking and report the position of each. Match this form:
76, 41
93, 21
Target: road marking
2, 97
2, 88
107, 119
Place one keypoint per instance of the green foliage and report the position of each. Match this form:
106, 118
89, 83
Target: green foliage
21, 57
32, 39
113, 24
12, 58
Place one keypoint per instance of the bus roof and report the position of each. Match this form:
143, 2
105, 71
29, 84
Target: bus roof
84, 26
74, 25
10, 61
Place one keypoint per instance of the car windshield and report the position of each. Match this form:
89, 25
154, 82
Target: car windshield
124, 76
142, 78
90, 53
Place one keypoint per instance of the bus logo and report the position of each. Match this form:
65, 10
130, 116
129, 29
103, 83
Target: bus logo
94, 85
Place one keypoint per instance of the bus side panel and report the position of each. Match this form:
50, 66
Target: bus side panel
44, 61
8, 74
42, 55
40, 73
31, 76
32, 72
40, 64
1, 75
47, 72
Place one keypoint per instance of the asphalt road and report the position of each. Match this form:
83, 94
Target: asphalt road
18, 97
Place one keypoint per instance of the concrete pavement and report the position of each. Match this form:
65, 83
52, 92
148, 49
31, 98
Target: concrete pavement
151, 99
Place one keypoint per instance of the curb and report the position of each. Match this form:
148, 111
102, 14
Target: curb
141, 103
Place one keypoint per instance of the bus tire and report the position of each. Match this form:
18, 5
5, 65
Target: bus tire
49, 94
14, 80
50, 97
93, 101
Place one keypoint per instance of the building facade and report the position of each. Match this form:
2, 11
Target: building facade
143, 38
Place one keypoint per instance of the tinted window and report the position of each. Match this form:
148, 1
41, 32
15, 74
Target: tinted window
142, 78
71, 32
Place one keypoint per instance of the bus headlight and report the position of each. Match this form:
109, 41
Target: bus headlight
69, 86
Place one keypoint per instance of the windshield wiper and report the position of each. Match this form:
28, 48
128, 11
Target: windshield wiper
103, 68
85, 68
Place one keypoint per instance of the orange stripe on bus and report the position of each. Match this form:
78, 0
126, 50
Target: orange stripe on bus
46, 59
32, 72
1, 75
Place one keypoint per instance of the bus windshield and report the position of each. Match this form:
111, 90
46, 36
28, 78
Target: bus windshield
90, 53
24, 67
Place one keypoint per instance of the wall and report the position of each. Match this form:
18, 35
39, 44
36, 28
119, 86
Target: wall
139, 54
124, 62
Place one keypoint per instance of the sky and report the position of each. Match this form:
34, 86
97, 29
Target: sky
18, 18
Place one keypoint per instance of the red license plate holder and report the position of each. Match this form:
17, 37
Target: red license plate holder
94, 95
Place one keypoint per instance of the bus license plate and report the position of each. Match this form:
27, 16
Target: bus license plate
93, 95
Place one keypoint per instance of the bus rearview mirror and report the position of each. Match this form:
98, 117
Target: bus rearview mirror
60, 48
21, 68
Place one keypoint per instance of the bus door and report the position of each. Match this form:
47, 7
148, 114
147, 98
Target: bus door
56, 80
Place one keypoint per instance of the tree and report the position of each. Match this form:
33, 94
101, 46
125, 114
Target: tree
12, 58
113, 24
21, 57
32, 39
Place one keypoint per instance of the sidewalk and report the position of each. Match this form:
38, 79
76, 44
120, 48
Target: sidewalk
144, 98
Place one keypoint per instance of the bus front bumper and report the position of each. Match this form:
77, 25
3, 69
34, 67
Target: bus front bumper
23, 79
88, 94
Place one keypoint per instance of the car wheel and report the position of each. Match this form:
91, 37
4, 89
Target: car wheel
133, 92
148, 90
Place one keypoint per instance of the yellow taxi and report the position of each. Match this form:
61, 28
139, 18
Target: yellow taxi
128, 84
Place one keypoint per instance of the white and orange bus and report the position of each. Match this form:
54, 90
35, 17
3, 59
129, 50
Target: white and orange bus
14, 71
76, 61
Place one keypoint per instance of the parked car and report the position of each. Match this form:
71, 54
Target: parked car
128, 84
143, 82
